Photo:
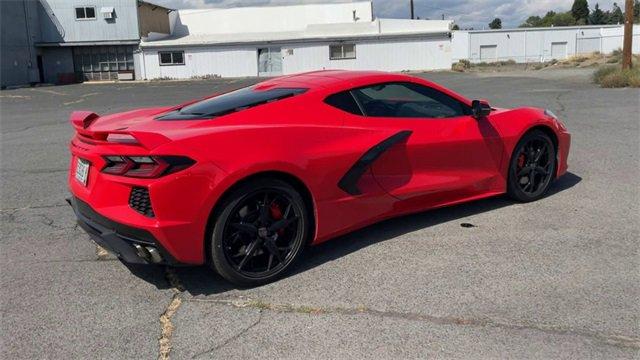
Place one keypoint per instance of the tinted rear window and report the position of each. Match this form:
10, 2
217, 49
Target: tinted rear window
231, 102
344, 101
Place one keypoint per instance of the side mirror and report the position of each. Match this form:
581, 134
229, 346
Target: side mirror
480, 108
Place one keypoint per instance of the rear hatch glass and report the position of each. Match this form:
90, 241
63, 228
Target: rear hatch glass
231, 102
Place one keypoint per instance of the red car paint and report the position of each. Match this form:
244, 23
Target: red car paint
443, 162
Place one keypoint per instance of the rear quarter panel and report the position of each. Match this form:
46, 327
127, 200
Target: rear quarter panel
315, 148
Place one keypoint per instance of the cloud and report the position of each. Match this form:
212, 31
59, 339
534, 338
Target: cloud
466, 13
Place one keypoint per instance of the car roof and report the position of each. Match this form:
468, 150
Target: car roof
331, 79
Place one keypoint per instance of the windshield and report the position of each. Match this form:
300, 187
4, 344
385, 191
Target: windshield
231, 102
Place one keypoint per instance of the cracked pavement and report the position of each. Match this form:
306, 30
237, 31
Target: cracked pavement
558, 278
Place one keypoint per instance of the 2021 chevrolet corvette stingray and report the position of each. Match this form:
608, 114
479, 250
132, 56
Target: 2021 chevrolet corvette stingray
243, 181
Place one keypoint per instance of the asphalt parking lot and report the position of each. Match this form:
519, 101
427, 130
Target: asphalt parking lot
558, 278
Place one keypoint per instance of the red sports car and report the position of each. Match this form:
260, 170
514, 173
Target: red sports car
243, 181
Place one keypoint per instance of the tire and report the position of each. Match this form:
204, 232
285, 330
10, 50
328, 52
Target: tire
260, 231
532, 167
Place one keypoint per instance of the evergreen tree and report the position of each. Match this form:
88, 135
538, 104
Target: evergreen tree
597, 16
580, 11
495, 24
617, 17
455, 27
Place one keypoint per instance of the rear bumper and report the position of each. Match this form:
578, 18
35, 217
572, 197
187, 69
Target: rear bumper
130, 244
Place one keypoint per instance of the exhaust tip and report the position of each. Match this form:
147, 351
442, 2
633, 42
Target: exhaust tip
156, 258
142, 252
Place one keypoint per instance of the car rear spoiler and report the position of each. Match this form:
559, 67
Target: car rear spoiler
82, 120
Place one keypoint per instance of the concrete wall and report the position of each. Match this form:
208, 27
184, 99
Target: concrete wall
18, 32
123, 27
239, 61
537, 45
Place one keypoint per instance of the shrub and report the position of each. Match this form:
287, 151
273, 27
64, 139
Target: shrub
458, 67
461, 65
614, 77
466, 63
603, 71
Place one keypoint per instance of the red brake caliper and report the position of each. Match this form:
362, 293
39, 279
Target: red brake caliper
276, 214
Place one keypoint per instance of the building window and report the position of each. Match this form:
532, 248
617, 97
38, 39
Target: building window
86, 13
171, 58
342, 51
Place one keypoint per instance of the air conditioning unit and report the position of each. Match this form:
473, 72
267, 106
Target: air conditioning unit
107, 12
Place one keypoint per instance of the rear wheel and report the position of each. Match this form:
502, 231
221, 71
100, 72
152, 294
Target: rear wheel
532, 167
260, 232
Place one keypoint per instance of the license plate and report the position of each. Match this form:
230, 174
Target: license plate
82, 171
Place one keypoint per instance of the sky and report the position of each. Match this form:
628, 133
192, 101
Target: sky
466, 13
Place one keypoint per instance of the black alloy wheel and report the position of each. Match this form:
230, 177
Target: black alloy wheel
260, 232
532, 167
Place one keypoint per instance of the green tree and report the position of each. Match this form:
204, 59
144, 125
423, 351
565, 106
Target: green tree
547, 20
617, 16
580, 11
532, 21
597, 16
495, 24
636, 11
563, 19
455, 27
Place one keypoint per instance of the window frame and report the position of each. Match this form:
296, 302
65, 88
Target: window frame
467, 111
172, 63
84, 9
344, 57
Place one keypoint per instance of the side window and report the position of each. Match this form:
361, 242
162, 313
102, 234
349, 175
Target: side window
345, 102
342, 51
408, 100
85, 13
171, 58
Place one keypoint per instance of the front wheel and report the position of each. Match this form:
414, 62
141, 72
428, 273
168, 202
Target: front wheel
260, 232
532, 167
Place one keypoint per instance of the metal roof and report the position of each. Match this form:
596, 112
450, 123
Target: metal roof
377, 29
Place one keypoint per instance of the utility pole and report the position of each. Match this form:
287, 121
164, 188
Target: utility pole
628, 34
412, 12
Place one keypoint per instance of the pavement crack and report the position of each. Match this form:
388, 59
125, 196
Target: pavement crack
562, 108
232, 338
166, 325
32, 207
617, 340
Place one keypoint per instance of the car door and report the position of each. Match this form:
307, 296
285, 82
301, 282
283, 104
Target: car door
446, 154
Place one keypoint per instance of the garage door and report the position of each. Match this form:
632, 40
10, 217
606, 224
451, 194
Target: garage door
489, 53
102, 62
559, 50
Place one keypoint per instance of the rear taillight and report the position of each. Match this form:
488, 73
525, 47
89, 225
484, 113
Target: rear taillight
145, 166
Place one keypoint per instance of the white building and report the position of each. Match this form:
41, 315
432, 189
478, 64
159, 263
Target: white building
265, 41
538, 44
